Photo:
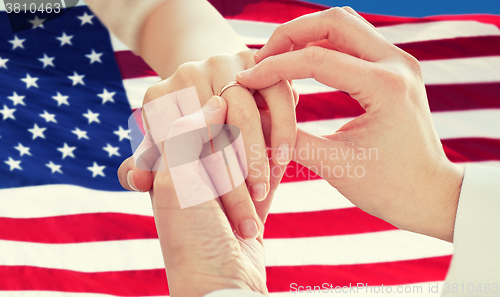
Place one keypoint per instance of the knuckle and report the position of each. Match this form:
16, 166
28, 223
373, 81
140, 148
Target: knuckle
242, 115
186, 72
217, 60
316, 55
392, 80
335, 13
413, 64
281, 29
153, 92
239, 202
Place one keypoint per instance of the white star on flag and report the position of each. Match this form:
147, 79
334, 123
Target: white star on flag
61, 99
23, 150
16, 42
94, 57
96, 170
16, 99
7, 113
65, 39
122, 133
37, 22
67, 151
107, 96
37, 131
49, 117
30, 81
76, 78
3, 63
80, 133
92, 117
54, 167
112, 150
47, 61
13, 164
86, 19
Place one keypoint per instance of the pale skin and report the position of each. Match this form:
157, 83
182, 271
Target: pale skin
184, 29
411, 185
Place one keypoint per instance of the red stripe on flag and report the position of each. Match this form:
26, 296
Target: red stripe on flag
472, 149
323, 223
334, 105
463, 47
281, 278
81, 228
151, 282
78, 228
280, 11
463, 96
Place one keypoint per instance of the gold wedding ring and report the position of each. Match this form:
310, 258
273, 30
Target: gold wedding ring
231, 84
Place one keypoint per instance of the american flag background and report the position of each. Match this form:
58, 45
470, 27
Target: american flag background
67, 228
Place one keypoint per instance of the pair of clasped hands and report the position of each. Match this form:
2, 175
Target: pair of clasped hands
412, 185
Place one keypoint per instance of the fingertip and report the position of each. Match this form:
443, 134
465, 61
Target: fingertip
258, 192
248, 229
282, 154
142, 180
213, 104
130, 180
243, 75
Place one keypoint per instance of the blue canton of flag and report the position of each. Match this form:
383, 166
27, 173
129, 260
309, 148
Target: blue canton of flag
63, 108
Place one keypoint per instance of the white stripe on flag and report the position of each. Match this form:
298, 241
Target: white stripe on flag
259, 32
457, 71
52, 200
395, 245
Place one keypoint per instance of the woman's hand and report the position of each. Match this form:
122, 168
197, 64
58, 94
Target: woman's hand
388, 161
200, 250
209, 77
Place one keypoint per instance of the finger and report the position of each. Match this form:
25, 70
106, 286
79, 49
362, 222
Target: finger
276, 171
332, 68
342, 29
194, 179
133, 178
243, 113
354, 13
280, 100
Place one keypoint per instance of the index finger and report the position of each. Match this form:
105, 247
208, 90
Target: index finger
342, 29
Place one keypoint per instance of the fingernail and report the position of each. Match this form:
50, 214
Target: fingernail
282, 153
258, 191
257, 53
244, 73
248, 229
130, 181
213, 104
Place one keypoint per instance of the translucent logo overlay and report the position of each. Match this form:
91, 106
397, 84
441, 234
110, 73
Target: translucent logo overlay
205, 161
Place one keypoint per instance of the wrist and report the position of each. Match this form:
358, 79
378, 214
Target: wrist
435, 208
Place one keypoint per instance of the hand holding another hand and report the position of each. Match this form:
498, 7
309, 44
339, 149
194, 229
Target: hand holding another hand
407, 179
246, 206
